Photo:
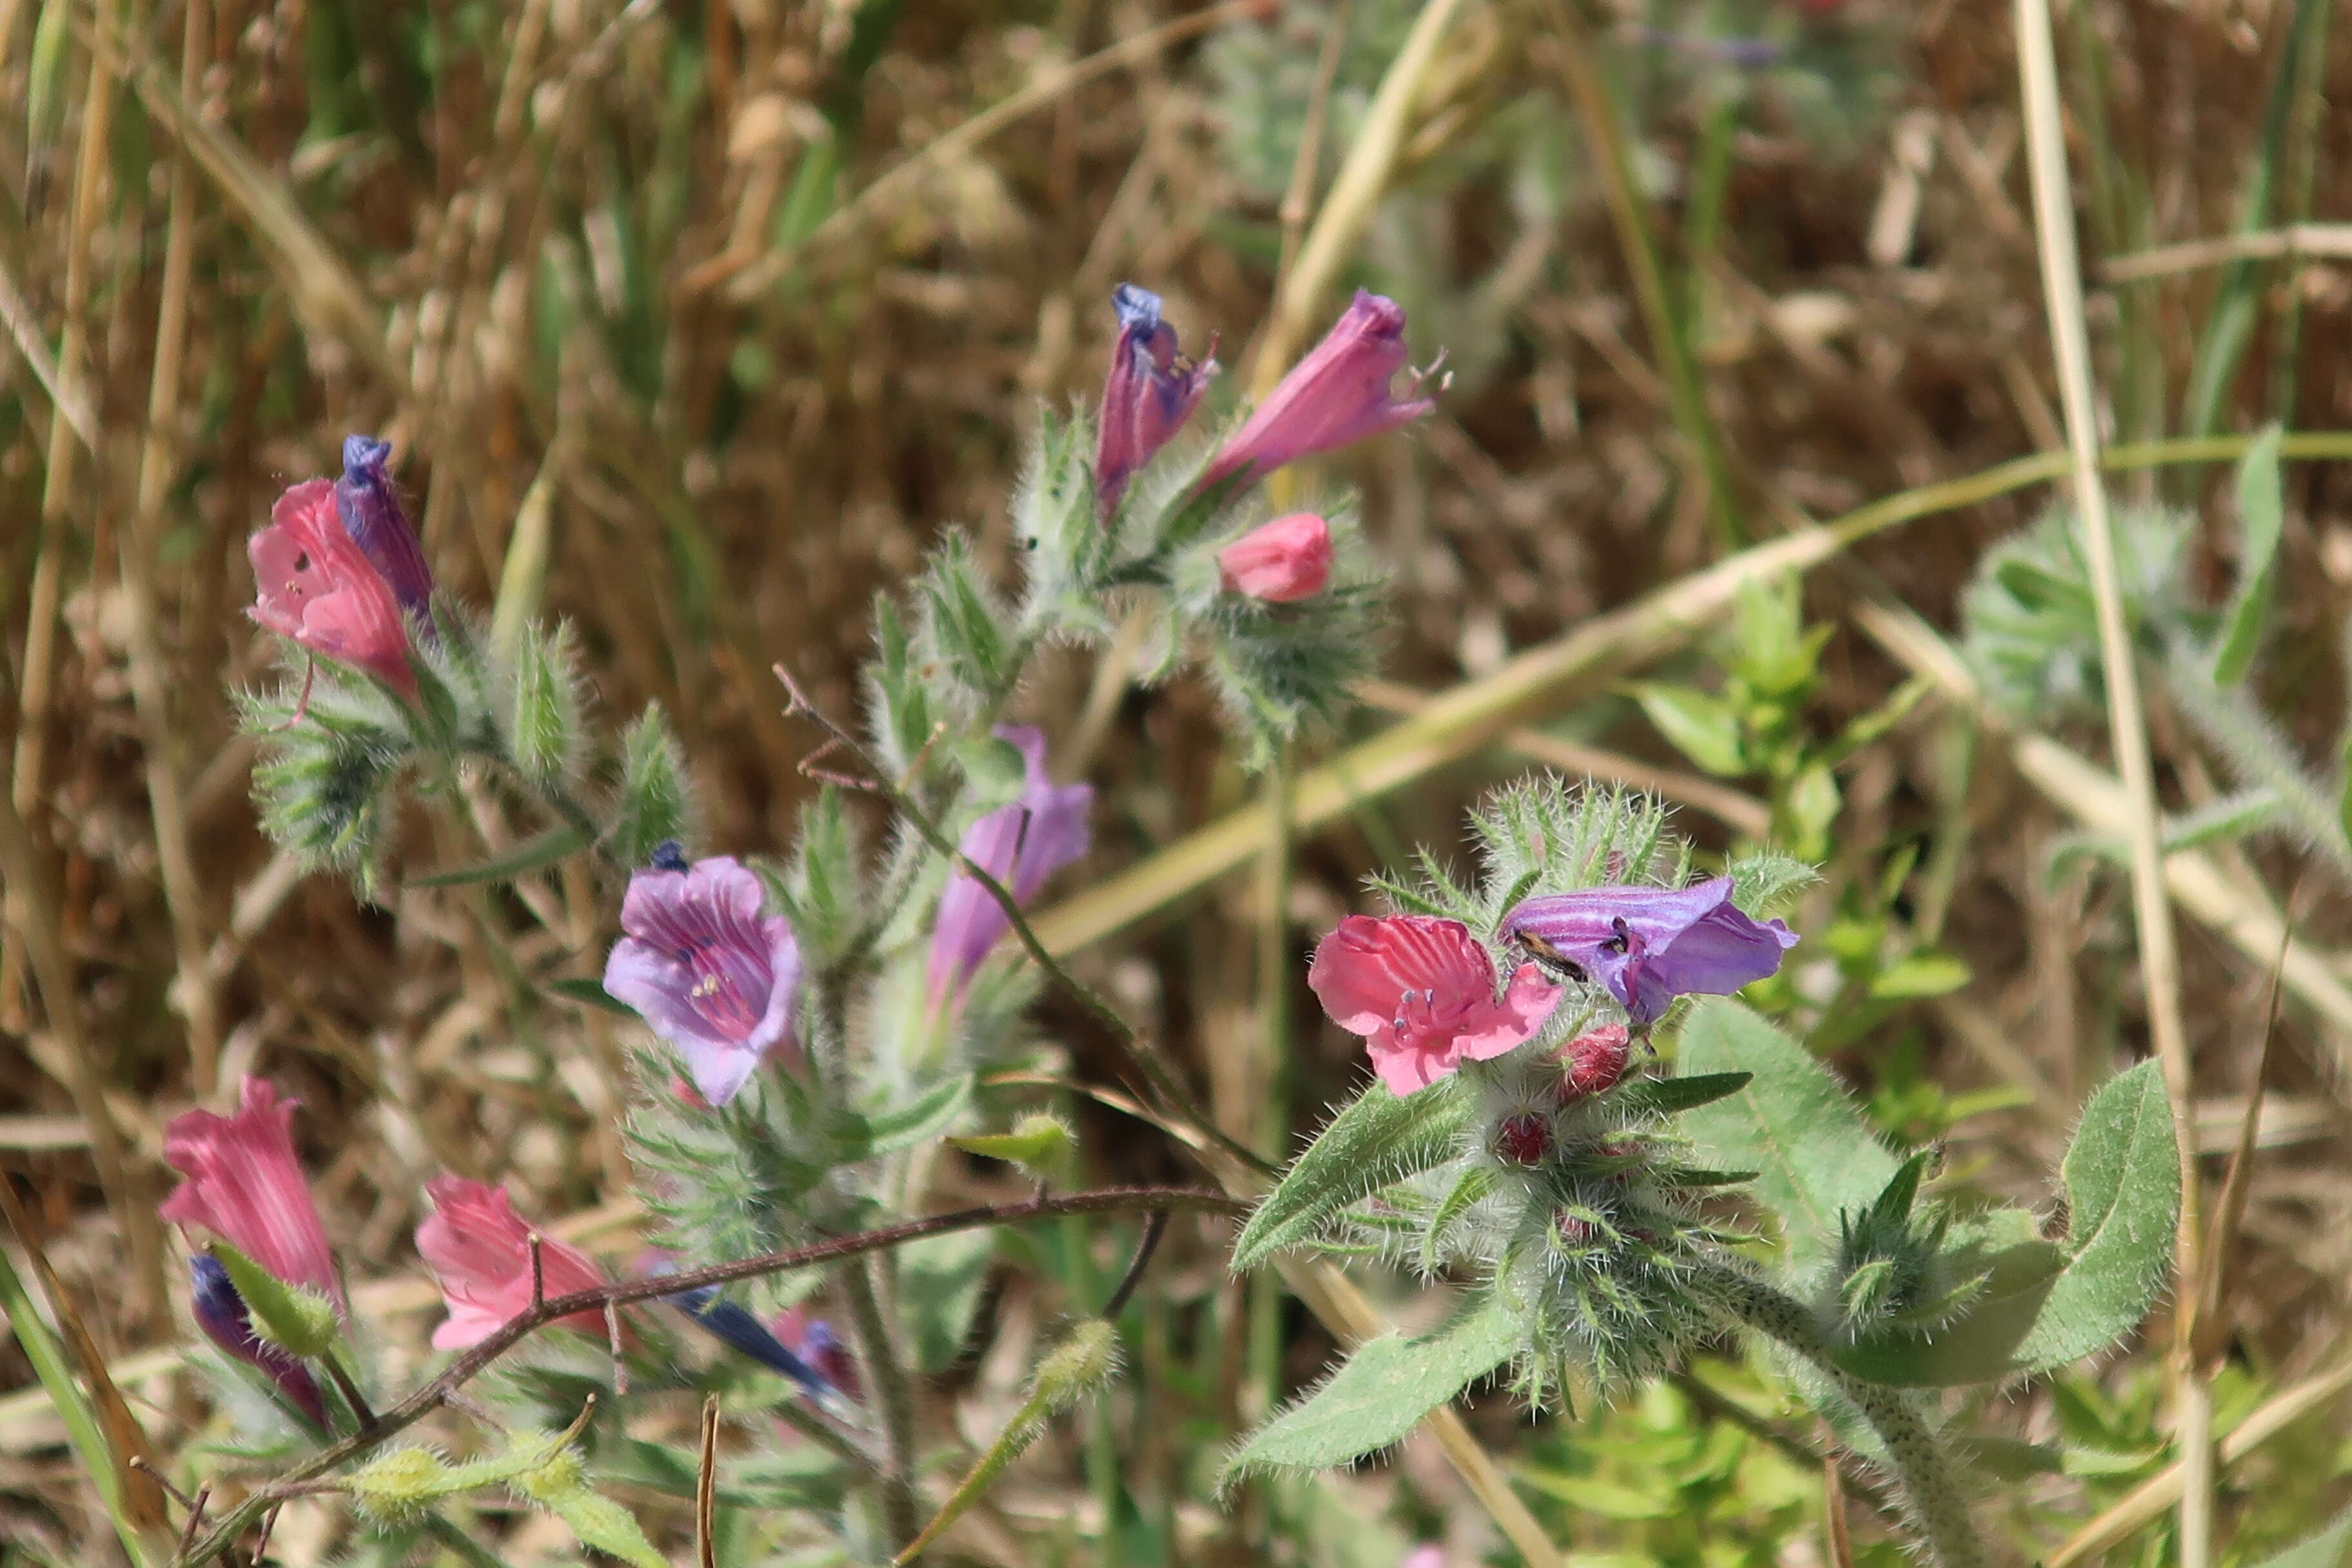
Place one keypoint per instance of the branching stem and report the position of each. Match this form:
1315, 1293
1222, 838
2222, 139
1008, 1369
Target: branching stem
470, 1365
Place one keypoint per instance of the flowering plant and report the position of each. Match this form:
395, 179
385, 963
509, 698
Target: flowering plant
810, 1029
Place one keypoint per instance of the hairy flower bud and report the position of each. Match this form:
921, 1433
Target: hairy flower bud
1150, 391
1592, 1062
370, 508
1523, 1139
221, 1313
1280, 562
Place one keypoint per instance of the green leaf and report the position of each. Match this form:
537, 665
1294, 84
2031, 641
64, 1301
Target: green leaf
605, 1525
1380, 1139
1471, 1185
1920, 975
940, 1278
590, 993
1805, 1138
1673, 1096
2045, 1304
921, 1119
1605, 1500
654, 794
2331, 1548
294, 1315
1703, 728
1040, 1141
1381, 1393
544, 850
2262, 511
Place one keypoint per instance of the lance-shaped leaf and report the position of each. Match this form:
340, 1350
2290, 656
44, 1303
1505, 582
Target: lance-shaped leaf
2331, 1548
1380, 1139
1803, 1136
1683, 1091
1382, 1393
531, 854
2261, 511
2043, 1304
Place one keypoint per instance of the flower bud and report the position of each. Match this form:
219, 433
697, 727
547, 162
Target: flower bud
370, 508
221, 1313
1523, 1139
1078, 1365
1593, 1062
399, 1486
1280, 562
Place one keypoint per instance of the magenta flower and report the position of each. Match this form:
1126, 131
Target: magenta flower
1649, 945
1336, 396
1280, 562
699, 963
479, 1249
370, 507
316, 587
221, 1314
244, 1186
1422, 993
1020, 845
1150, 391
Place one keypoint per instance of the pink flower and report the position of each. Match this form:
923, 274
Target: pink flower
316, 587
243, 1185
1421, 992
479, 1248
1336, 396
1279, 562
1150, 391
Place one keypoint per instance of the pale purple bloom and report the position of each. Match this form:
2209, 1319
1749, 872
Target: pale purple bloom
370, 508
1149, 396
221, 1314
1336, 396
1020, 845
1649, 945
701, 965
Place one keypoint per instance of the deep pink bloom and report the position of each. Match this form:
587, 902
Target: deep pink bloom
1150, 394
1336, 396
370, 507
244, 1186
314, 585
1279, 562
1649, 945
1421, 992
221, 1314
699, 963
1593, 1061
479, 1249
1020, 845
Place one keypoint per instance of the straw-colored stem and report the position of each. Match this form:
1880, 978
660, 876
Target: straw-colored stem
39, 678
149, 682
2152, 911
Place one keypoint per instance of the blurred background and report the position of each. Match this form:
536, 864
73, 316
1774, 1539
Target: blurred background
691, 322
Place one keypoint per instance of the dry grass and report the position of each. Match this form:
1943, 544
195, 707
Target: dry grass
551, 259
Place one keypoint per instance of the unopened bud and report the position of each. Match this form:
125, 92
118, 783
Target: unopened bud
1593, 1062
1573, 1232
1078, 1365
1523, 1139
399, 1486
559, 1475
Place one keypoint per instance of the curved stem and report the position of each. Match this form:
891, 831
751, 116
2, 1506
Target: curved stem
892, 1400
1922, 1474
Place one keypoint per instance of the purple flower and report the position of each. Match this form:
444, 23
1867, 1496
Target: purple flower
1149, 396
221, 1313
735, 1326
701, 965
1020, 845
370, 511
1336, 396
1649, 945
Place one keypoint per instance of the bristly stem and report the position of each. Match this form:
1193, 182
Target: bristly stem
472, 1363
1921, 1470
893, 1402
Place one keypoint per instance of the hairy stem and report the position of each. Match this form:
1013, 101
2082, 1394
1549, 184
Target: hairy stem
472, 1363
1922, 1473
877, 1360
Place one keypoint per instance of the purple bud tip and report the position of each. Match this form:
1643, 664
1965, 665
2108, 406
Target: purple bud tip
1136, 307
221, 1314
365, 458
669, 855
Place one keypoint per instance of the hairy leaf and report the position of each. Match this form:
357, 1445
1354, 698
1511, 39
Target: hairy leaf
2261, 511
1805, 1139
1683, 1091
1382, 1393
1379, 1140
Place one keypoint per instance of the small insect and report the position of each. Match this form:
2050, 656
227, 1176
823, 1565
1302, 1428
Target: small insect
1551, 957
